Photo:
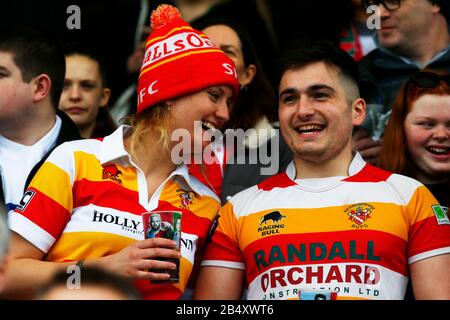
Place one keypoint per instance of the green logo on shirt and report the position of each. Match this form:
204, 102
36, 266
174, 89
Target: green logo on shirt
441, 214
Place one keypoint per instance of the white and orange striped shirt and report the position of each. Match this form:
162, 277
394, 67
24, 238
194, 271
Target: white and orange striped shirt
351, 235
87, 199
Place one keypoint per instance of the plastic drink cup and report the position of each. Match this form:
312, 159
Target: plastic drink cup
164, 224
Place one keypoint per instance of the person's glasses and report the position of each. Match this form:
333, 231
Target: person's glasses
424, 79
390, 5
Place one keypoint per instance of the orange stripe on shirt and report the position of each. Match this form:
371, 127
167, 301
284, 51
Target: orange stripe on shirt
88, 167
61, 192
384, 216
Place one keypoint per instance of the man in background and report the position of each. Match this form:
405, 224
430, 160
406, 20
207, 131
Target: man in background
32, 72
413, 35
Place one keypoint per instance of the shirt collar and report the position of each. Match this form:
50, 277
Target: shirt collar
113, 150
184, 179
356, 165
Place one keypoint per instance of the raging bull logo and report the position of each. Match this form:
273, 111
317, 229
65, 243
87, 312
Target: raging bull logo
275, 216
272, 228
111, 172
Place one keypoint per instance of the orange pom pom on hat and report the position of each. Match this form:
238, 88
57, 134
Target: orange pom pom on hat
179, 60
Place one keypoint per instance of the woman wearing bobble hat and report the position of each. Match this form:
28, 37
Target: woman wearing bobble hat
84, 206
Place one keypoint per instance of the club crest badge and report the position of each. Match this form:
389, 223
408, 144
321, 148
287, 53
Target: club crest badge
359, 214
186, 197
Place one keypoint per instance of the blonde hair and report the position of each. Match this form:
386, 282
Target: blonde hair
156, 119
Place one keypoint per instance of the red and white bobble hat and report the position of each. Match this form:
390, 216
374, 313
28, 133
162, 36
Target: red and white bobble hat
179, 60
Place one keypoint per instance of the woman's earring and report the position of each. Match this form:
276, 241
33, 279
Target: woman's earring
243, 88
169, 106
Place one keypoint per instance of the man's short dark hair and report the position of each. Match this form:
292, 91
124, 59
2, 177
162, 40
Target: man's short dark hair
93, 276
301, 53
35, 54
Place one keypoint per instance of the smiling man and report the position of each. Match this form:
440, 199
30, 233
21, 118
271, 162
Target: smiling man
331, 225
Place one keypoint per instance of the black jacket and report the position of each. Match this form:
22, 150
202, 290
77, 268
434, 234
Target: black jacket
241, 174
68, 132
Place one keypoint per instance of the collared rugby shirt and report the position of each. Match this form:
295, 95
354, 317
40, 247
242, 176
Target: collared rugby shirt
352, 235
87, 199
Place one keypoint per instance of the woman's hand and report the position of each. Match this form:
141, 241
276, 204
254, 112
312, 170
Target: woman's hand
138, 259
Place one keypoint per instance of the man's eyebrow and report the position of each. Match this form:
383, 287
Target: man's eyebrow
317, 87
312, 88
288, 91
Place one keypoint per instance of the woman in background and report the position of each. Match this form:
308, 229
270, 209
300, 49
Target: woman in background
85, 94
255, 108
417, 139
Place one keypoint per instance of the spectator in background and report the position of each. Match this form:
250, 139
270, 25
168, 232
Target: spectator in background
255, 108
417, 138
4, 246
86, 201
414, 35
93, 284
356, 38
85, 94
31, 79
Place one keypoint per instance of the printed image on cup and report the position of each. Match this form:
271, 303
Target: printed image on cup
164, 224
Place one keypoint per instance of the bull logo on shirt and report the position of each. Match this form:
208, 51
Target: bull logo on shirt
276, 227
275, 216
111, 172
359, 213
187, 198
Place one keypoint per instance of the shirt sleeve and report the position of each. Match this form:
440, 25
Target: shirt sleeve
46, 205
224, 250
429, 232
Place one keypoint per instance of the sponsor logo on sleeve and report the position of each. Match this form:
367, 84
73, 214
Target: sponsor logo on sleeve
441, 214
26, 199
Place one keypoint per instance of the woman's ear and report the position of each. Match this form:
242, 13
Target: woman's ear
248, 75
104, 99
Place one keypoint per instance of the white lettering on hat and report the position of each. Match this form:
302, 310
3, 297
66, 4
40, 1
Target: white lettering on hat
174, 45
229, 69
150, 88
141, 95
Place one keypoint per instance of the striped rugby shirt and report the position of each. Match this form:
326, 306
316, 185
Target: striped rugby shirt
87, 199
352, 235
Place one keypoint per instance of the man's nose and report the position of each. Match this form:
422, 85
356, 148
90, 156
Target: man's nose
305, 109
